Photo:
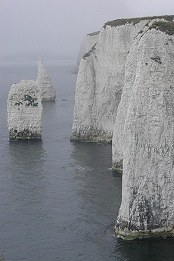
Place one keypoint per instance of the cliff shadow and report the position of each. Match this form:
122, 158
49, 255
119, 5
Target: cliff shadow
149, 249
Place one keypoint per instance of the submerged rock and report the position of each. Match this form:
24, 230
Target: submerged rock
45, 86
147, 208
101, 79
24, 110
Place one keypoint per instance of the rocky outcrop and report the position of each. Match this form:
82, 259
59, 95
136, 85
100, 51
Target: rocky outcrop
101, 79
147, 143
47, 91
24, 111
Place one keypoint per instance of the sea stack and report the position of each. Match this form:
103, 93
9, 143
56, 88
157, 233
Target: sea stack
147, 208
24, 110
47, 91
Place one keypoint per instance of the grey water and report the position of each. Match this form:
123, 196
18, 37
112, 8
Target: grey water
59, 200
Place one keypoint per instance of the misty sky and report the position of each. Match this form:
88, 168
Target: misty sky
57, 27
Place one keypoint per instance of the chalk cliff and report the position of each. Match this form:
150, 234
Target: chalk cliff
129, 78
24, 110
117, 140
147, 208
45, 86
101, 79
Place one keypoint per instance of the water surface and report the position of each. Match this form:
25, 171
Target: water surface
59, 200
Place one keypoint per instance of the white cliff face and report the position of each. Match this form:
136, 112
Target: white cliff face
147, 208
24, 111
129, 79
117, 140
100, 82
45, 86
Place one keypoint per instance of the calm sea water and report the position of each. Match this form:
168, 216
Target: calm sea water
59, 200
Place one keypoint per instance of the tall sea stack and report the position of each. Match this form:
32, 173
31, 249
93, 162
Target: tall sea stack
47, 91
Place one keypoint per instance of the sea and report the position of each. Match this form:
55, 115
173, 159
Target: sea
59, 200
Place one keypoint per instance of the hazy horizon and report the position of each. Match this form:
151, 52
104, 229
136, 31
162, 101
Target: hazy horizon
56, 28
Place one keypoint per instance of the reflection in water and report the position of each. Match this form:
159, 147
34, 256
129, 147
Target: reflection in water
92, 154
26, 162
23, 200
27, 156
100, 194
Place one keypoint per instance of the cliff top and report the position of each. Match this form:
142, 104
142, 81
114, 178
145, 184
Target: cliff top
136, 20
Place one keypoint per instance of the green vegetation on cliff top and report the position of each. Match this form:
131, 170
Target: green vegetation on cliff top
124, 21
167, 27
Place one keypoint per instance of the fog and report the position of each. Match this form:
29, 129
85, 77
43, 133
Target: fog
56, 28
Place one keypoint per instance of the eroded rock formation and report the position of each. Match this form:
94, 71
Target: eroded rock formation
24, 111
47, 91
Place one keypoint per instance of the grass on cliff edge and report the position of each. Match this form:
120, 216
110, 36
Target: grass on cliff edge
167, 27
119, 22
